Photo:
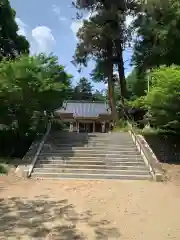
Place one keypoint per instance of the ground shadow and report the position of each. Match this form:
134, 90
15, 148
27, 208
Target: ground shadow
53, 148
165, 147
39, 219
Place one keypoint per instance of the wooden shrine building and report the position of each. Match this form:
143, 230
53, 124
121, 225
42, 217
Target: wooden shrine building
85, 116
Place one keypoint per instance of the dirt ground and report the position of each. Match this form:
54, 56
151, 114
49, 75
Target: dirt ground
79, 210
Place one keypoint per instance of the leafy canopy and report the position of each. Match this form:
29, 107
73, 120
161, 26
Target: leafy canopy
28, 87
11, 44
163, 99
157, 28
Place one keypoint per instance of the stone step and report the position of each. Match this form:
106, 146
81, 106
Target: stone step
82, 144
89, 150
85, 166
57, 176
88, 147
92, 171
91, 138
90, 154
103, 138
89, 135
67, 133
59, 145
93, 162
82, 138
90, 158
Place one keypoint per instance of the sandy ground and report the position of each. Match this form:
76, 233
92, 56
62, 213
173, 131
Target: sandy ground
67, 210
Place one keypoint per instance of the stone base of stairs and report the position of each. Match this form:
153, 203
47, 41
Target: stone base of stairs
61, 176
103, 156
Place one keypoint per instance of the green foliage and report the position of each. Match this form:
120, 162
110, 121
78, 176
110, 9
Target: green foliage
102, 39
57, 125
156, 25
99, 73
108, 28
121, 126
97, 4
149, 131
83, 90
3, 169
11, 44
139, 103
30, 89
136, 84
163, 100
158, 34
99, 96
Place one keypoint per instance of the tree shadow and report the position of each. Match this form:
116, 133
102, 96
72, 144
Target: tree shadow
38, 219
62, 146
165, 147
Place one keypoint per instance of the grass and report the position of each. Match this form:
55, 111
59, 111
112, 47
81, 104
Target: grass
5, 165
3, 169
156, 132
121, 126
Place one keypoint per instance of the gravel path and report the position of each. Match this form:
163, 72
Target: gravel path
67, 210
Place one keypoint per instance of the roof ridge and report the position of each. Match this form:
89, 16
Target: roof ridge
85, 108
84, 101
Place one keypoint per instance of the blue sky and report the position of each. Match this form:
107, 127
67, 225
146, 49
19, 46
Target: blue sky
50, 26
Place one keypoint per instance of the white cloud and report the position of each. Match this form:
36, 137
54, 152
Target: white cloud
129, 20
22, 27
128, 73
77, 24
115, 72
43, 39
57, 11
62, 18
40, 38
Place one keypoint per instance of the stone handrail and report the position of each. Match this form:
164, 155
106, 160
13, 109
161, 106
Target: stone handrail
145, 151
38, 150
149, 159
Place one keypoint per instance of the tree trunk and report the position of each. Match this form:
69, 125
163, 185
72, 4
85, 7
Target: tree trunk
111, 97
121, 72
111, 82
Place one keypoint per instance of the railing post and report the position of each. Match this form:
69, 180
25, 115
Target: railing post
39, 149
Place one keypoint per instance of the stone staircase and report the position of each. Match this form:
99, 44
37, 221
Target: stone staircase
90, 156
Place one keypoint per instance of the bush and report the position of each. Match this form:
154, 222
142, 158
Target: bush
14, 145
121, 126
163, 100
58, 125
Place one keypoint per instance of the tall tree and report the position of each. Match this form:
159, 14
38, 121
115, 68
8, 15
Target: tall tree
95, 42
11, 44
83, 90
114, 13
157, 28
28, 87
137, 84
99, 96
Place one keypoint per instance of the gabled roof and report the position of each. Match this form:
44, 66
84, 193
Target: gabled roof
85, 109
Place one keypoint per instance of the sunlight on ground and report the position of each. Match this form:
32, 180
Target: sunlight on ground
88, 210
